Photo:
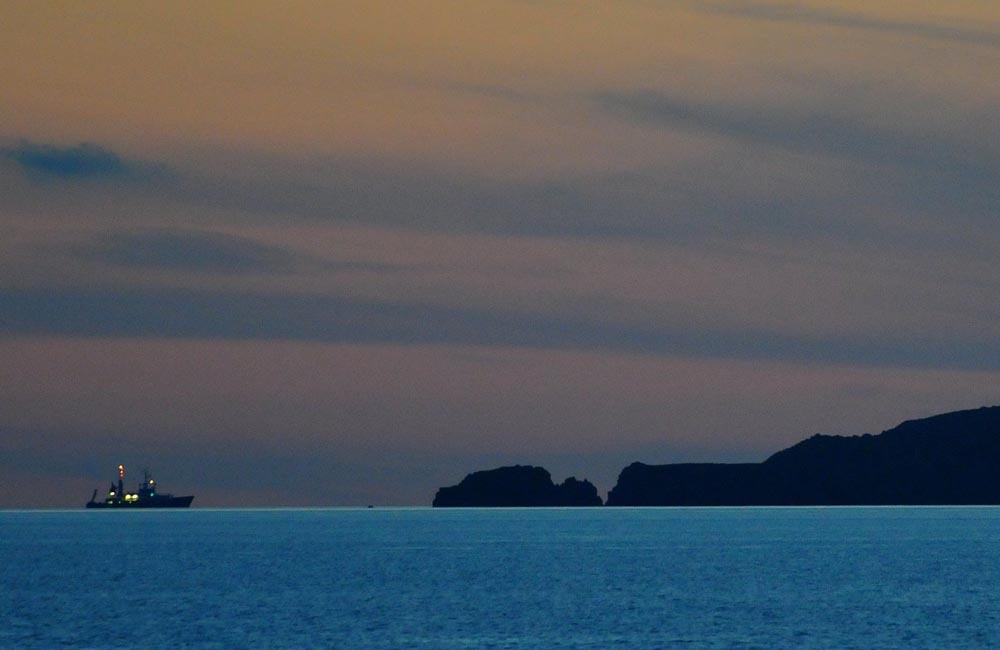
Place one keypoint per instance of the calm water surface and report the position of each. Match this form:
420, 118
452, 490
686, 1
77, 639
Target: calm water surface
547, 578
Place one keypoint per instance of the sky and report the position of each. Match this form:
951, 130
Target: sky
344, 253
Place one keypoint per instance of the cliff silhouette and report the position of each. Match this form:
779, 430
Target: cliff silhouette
516, 486
948, 459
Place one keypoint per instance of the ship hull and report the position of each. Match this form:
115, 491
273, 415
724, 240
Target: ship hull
156, 502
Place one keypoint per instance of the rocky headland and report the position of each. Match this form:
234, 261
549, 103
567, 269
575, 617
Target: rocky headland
950, 459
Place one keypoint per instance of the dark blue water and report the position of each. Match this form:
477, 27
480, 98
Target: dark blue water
421, 578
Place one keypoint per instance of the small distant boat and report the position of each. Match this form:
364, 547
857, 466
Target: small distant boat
145, 495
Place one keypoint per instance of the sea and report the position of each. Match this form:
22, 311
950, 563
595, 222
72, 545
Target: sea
898, 577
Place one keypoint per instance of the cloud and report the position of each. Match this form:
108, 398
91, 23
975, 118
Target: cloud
189, 250
193, 314
955, 173
821, 16
85, 160
813, 132
674, 201
185, 250
791, 181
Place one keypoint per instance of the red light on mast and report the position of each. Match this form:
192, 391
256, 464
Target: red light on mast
121, 471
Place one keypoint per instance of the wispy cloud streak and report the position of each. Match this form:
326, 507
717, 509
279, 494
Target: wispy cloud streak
193, 314
821, 16
824, 133
926, 169
188, 250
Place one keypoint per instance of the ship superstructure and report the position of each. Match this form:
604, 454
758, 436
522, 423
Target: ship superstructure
144, 496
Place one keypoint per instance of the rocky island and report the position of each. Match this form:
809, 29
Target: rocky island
516, 486
948, 459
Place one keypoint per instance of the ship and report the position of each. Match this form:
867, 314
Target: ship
145, 495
